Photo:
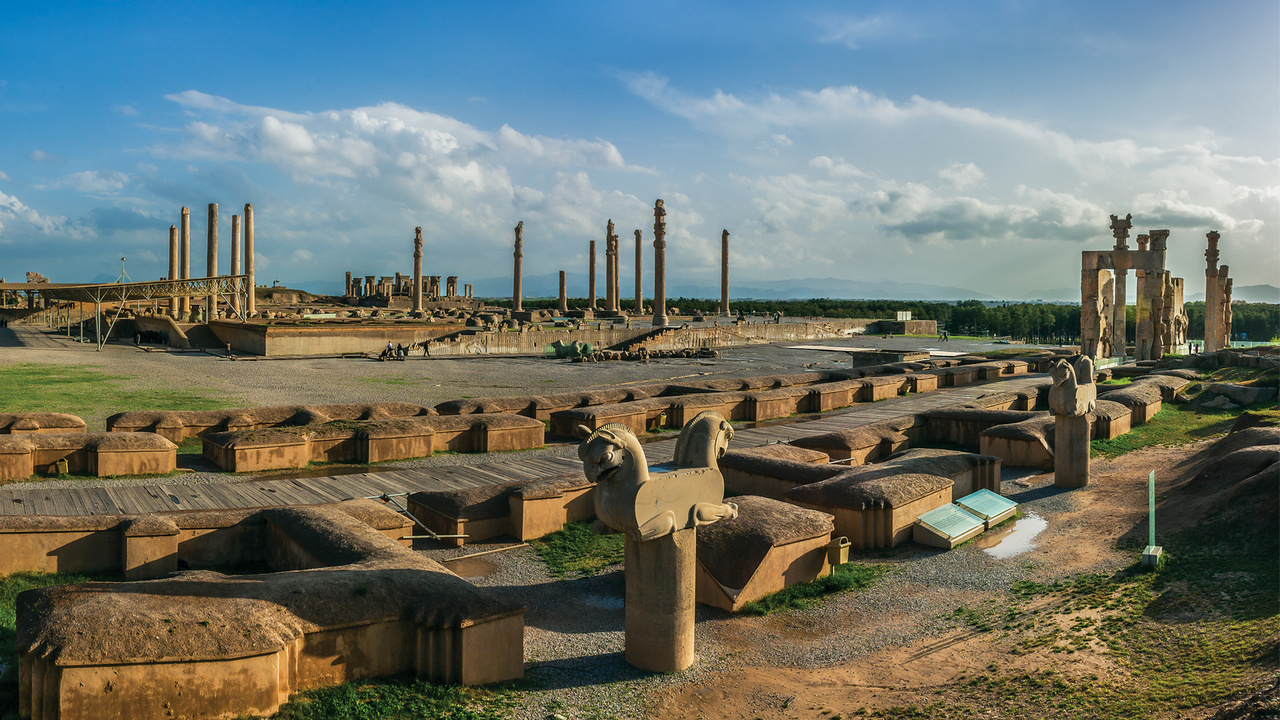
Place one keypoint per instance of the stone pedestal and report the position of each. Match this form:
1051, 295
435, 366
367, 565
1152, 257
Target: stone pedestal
1071, 435
661, 584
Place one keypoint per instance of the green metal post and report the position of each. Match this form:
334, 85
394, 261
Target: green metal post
1151, 505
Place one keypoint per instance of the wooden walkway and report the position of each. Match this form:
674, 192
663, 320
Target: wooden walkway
140, 499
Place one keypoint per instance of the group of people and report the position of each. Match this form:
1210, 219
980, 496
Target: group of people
944, 336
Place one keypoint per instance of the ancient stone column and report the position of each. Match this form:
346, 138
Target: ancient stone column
1072, 397
724, 272
659, 610
451, 286
564, 299
184, 268
250, 283
346, 288
211, 302
370, 287
1212, 294
610, 255
466, 290
517, 294
235, 257
659, 265
173, 266
1153, 286
639, 278
417, 270
1224, 309
1120, 257
591, 277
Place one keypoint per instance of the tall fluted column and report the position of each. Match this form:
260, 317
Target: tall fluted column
212, 301
659, 265
235, 257
591, 278
564, 299
250, 297
517, 300
417, 270
639, 278
609, 255
184, 307
724, 272
1120, 257
1212, 294
173, 266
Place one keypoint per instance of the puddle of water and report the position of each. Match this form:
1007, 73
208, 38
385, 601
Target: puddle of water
471, 568
1017, 539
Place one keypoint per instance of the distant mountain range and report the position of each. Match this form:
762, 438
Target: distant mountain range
1247, 293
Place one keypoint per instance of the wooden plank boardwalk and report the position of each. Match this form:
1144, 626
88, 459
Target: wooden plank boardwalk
159, 498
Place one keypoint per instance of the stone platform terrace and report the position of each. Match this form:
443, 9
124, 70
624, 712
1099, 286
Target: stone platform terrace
159, 497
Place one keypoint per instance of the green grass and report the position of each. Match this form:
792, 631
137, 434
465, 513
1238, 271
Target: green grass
397, 699
1190, 635
1173, 425
87, 391
850, 576
10, 586
576, 550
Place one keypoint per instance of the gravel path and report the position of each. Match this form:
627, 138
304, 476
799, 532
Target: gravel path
574, 627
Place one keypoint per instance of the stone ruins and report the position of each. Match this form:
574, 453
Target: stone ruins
1161, 319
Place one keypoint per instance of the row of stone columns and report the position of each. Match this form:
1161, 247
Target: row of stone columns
180, 259
613, 274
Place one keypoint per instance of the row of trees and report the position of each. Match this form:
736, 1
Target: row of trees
1033, 322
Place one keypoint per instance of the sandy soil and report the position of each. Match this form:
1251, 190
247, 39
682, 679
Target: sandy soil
1076, 541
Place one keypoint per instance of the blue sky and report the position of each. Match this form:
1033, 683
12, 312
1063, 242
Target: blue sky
979, 145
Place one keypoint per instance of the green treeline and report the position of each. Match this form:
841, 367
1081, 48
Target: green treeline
1035, 322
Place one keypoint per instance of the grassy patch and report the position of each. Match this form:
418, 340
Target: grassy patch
86, 390
397, 699
850, 576
576, 550
1191, 635
1173, 425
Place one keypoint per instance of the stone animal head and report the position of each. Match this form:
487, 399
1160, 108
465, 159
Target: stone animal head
605, 451
1062, 373
703, 440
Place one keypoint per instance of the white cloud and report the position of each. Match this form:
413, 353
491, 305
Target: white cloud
20, 223
1025, 194
961, 176
850, 31
42, 156
126, 110
4, 176
93, 181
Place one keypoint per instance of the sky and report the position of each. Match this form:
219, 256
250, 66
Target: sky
979, 145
